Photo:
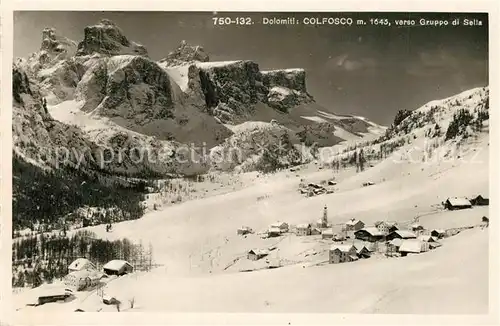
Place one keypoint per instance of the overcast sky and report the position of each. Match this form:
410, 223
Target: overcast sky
367, 70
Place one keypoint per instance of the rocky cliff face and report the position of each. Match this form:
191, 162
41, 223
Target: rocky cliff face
287, 88
51, 144
106, 38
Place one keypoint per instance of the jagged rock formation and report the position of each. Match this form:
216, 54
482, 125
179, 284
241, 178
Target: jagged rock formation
106, 38
186, 53
54, 45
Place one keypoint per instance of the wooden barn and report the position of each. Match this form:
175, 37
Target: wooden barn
454, 203
413, 246
244, 230
256, 254
361, 250
401, 234
480, 201
371, 234
438, 233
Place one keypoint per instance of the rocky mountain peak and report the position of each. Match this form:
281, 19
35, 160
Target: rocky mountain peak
186, 53
54, 45
107, 38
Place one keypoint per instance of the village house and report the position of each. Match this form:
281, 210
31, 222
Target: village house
274, 232
81, 264
118, 267
354, 225
82, 279
386, 227
454, 203
338, 237
427, 238
282, 226
371, 234
327, 234
303, 229
361, 250
480, 201
392, 247
244, 230
432, 241
342, 254
413, 246
400, 234
256, 254
416, 227
315, 231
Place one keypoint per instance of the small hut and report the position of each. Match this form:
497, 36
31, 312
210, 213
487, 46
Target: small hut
438, 233
118, 267
244, 230
256, 254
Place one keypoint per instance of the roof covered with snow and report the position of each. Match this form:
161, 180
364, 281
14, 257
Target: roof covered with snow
80, 263
353, 221
396, 242
279, 224
459, 201
372, 231
116, 264
426, 238
405, 234
303, 226
342, 247
259, 251
412, 245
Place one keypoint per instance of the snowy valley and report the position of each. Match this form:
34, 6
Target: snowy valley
265, 154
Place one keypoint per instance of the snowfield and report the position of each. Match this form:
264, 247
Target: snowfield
202, 257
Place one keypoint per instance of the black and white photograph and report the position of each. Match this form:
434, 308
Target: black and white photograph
251, 162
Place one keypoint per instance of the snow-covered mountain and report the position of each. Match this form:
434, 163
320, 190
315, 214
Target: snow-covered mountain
107, 84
